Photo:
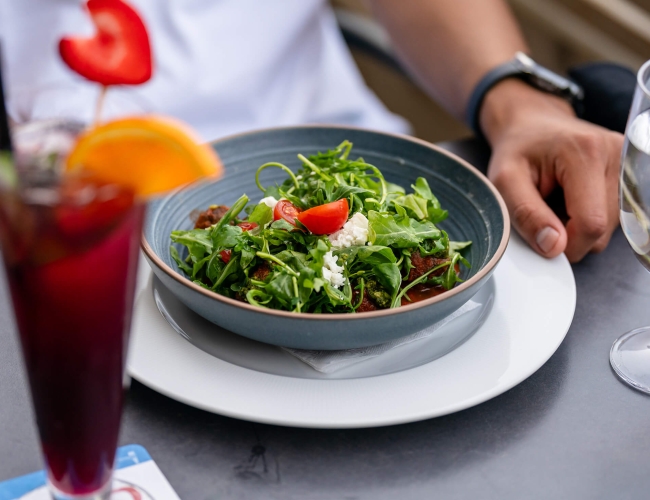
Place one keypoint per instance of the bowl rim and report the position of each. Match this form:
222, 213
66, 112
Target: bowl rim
485, 270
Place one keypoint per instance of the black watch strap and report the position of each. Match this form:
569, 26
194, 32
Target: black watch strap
498, 74
527, 70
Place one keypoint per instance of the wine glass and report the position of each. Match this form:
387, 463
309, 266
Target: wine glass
630, 353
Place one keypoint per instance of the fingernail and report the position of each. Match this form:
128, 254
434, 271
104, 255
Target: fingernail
547, 238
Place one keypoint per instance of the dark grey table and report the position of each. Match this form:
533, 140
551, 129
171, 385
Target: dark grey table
572, 430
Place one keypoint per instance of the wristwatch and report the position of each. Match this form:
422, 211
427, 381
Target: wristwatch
527, 70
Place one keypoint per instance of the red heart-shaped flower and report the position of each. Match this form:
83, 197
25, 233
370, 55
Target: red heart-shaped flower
118, 54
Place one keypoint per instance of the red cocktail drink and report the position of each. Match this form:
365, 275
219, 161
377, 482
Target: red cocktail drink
70, 252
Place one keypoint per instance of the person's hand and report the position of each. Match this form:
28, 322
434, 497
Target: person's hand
538, 144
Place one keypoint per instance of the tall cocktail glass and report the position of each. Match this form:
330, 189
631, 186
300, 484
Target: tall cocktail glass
70, 248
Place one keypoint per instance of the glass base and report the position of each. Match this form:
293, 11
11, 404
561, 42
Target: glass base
630, 358
103, 493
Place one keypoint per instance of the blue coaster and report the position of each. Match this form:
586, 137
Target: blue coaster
137, 477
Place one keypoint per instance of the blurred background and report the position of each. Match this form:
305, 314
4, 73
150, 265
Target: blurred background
561, 34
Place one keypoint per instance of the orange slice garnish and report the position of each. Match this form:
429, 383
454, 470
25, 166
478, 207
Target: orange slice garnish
150, 154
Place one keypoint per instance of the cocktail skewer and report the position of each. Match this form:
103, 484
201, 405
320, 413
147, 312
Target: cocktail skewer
8, 174
5, 138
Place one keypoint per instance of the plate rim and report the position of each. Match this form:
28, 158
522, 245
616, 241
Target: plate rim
366, 421
488, 268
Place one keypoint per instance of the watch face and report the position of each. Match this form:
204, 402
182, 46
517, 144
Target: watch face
545, 79
544, 85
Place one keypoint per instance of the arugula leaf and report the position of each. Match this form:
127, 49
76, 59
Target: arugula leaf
198, 266
197, 241
370, 254
434, 212
281, 288
335, 295
455, 246
231, 268
388, 276
449, 278
437, 215
408, 264
401, 211
318, 252
215, 267
344, 191
181, 263
233, 212
385, 230
395, 188
454, 249
438, 248
273, 191
312, 281
199, 237
398, 231
283, 225
421, 187
227, 237
201, 284
425, 229
296, 260
262, 214
416, 205
247, 256
308, 282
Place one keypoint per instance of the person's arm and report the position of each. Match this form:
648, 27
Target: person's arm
538, 143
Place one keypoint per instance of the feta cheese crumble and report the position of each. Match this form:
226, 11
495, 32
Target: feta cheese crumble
270, 202
332, 272
353, 233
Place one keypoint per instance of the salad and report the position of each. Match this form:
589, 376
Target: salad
335, 237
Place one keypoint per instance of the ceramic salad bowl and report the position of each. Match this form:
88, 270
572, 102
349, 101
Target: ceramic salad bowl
476, 213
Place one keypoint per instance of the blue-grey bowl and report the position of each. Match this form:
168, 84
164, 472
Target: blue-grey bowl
476, 212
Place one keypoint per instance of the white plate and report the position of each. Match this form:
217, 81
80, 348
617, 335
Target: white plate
267, 358
530, 300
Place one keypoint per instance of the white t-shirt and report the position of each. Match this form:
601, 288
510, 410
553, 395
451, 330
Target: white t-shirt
223, 66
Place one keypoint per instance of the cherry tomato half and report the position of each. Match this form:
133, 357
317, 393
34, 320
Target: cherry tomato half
247, 226
286, 210
325, 219
225, 255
